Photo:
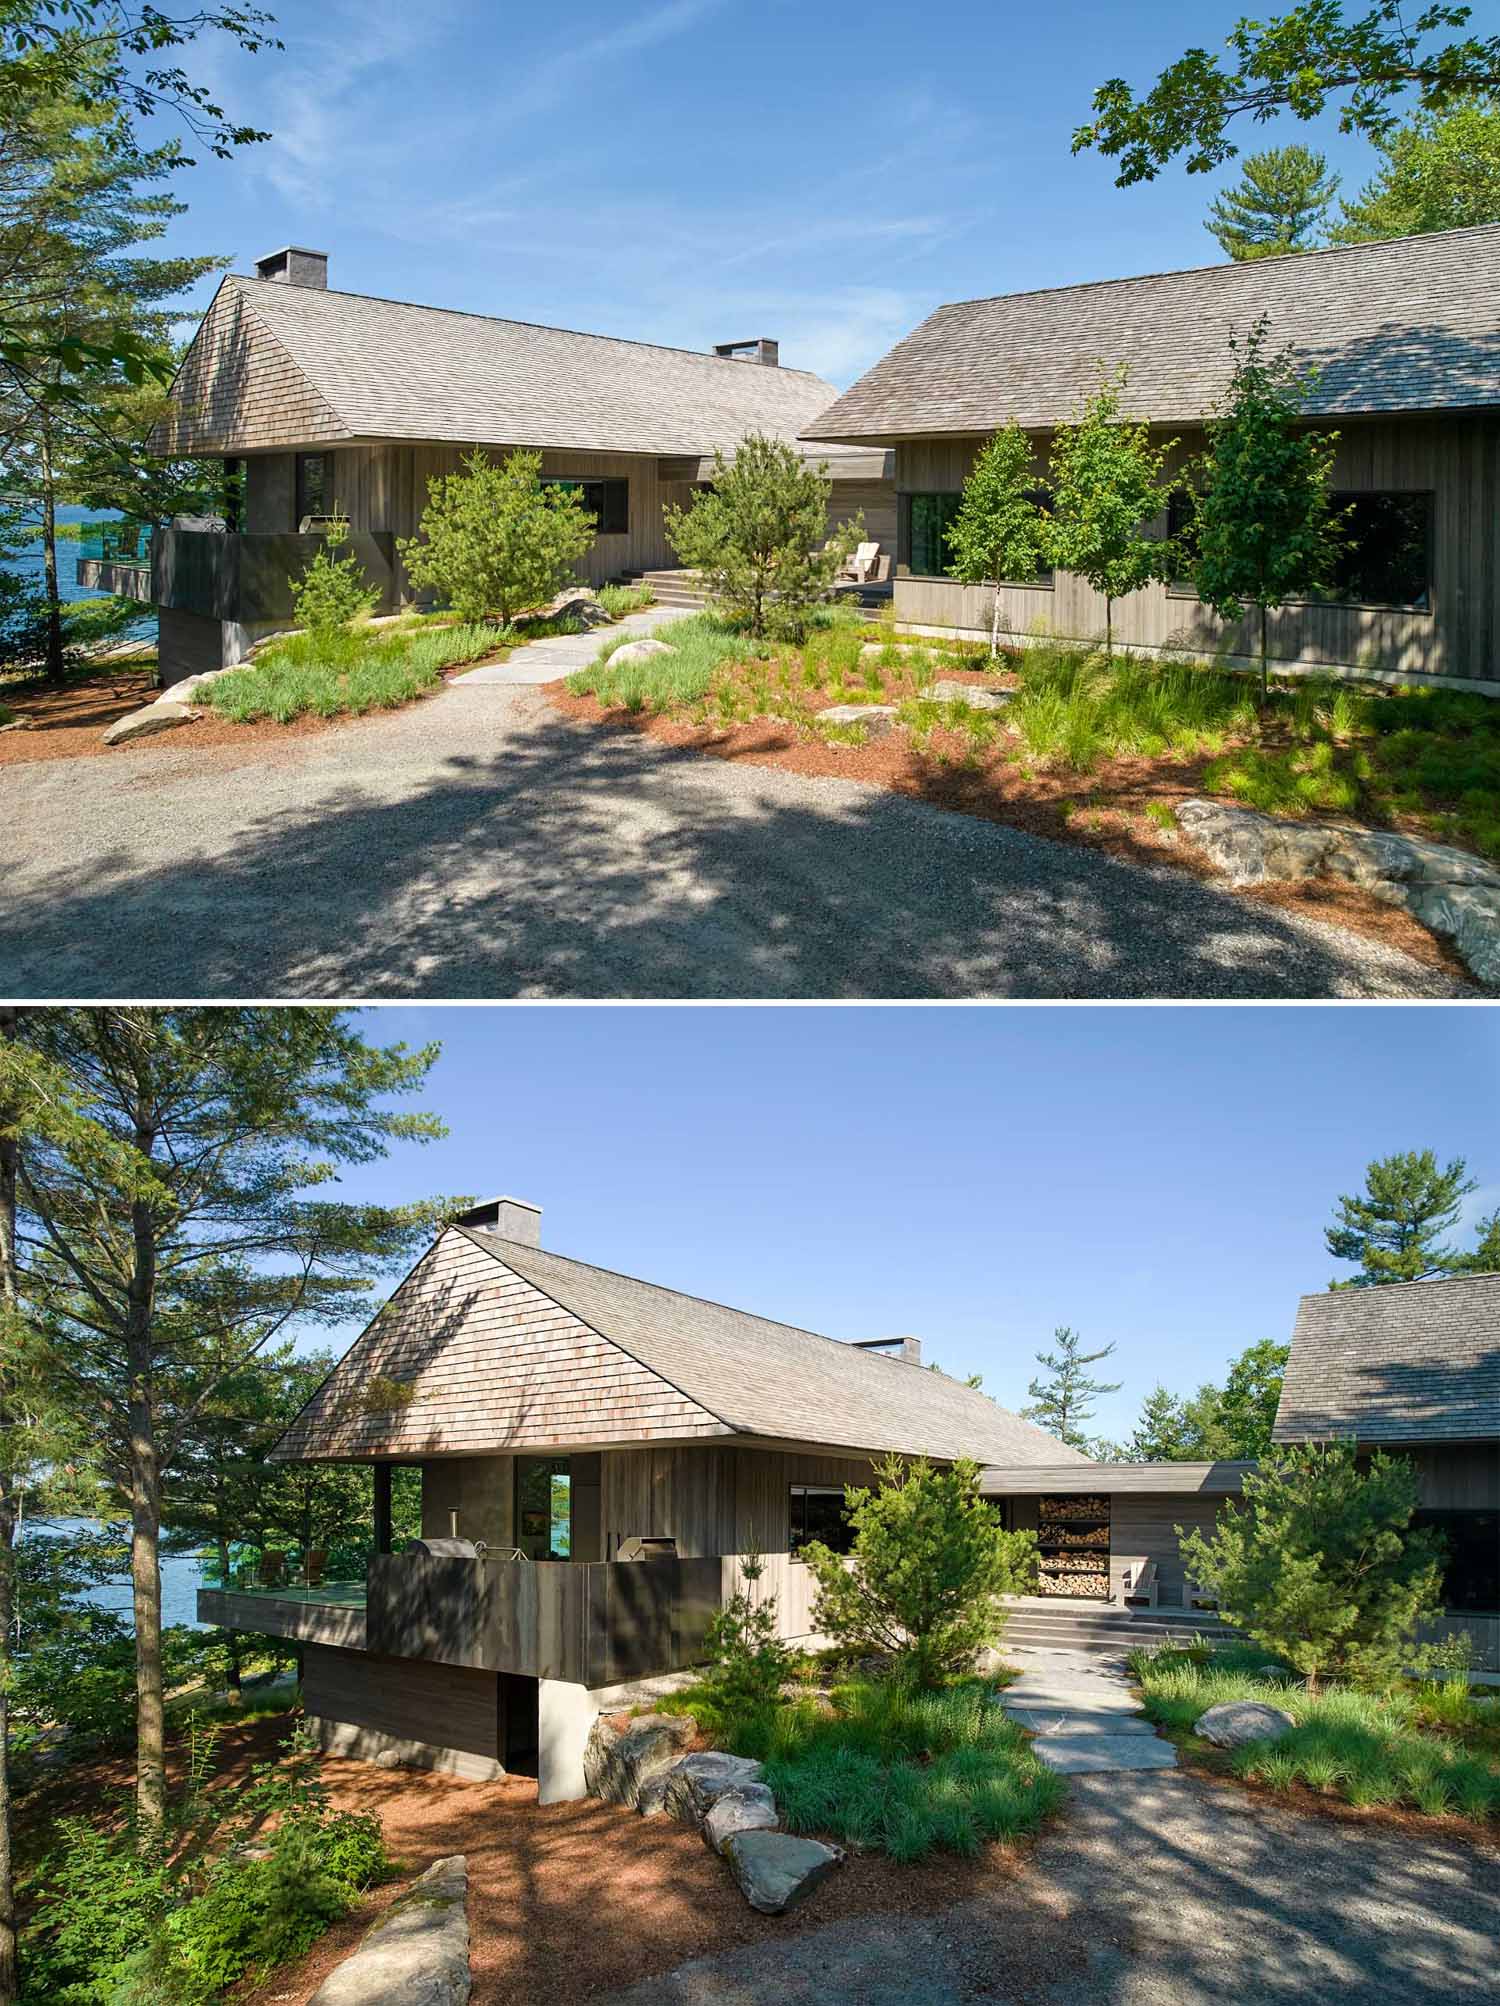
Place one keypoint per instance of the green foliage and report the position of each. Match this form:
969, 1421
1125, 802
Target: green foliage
1077, 709
341, 672
496, 540
1394, 1228
1362, 1747
1369, 65
618, 600
1064, 1400
759, 536
1319, 1562
1106, 485
997, 533
929, 1569
1264, 529
748, 1661
1441, 172
1233, 1422
331, 594
700, 644
1280, 204
241, 1891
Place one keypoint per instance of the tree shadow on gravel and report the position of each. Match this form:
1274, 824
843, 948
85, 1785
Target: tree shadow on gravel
585, 863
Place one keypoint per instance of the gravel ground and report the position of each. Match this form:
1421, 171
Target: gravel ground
1156, 1890
478, 845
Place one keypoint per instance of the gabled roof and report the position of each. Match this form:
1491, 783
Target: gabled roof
1409, 325
389, 370
1402, 1362
774, 1379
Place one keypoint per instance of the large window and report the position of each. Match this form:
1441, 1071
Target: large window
818, 1513
928, 521
1385, 556
544, 1507
608, 502
1471, 1577
313, 485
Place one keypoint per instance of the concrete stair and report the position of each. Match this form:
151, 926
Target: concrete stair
672, 588
1106, 1628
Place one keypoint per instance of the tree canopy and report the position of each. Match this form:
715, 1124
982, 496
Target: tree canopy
997, 536
1394, 1230
1371, 65
1280, 204
1063, 1400
1441, 172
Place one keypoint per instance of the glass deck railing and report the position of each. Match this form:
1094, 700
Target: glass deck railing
117, 542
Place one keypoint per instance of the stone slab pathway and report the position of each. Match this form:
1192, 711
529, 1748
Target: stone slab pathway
560, 654
1083, 1714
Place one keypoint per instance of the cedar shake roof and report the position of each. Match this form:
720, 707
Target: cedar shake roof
1409, 325
1401, 1362
1201, 1479
474, 1356
383, 369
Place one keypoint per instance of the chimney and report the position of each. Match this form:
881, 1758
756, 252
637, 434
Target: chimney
909, 1349
509, 1218
293, 265
763, 351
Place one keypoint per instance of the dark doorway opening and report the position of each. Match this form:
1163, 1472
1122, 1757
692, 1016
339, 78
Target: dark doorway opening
518, 1737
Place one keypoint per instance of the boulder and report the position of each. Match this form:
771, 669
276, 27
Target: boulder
189, 686
159, 716
751, 1808
616, 1763
651, 1799
698, 1781
1470, 916
975, 695
418, 1952
640, 651
875, 718
576, 604
1236, 1722
776, 1871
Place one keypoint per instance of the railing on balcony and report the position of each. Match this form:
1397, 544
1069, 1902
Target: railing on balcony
117, 542
593, 1623
225, 575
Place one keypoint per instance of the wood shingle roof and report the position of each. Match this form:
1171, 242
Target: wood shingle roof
1406, 1362
1409, 325
387, 369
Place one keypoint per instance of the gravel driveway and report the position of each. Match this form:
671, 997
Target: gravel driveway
1158, 1890
479, 845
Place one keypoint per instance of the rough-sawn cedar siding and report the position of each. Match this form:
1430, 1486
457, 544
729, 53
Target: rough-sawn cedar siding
491, 1363
238, 390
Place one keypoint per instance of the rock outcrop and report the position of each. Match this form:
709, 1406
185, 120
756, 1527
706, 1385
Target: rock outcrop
418, 1952
618, 1764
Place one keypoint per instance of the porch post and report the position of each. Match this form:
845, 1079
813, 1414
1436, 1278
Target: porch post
382, 1507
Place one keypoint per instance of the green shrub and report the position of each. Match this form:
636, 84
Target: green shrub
747, 1660
332, 594
497, 539
618, 600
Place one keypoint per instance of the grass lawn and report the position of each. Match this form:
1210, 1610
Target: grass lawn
1427, 760
879, 1767
1429, 1747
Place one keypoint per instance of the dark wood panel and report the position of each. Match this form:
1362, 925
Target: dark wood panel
405, 1697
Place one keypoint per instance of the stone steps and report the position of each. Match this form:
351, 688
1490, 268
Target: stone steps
1108, 1630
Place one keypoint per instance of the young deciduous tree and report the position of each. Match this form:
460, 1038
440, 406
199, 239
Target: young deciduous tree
496, 539
1280, 204
1106, 484
929, 1571
1063, 1401
1370, 64
1252, 1393
1320, 1563
1233, 1421
1395, 1227
1441, 172
173, 1221
1264, 527
759, 536
996, 537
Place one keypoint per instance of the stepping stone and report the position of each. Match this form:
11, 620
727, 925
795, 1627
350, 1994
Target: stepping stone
1053, 1701
1079, 1723
874, 719
1077, 1755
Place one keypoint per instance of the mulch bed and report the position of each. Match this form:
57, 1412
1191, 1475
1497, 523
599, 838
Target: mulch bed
1103, 810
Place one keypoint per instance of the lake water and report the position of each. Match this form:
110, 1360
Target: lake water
181, 1576
28, 563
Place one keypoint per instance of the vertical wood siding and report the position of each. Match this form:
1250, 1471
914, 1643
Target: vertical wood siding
1457, 459
409, 1698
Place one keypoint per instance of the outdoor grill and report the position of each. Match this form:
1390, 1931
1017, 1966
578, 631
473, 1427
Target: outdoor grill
647, 1546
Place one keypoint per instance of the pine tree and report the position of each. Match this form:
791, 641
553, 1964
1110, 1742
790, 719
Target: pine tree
1106, 485
1280, 204
1064, 1400
496, 539
1441, 172
1264, 528
1394, 1228
996, 537
171, 1225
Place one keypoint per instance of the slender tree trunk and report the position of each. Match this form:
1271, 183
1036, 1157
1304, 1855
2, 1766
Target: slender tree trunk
232, 1637
1109, 628
995, 628
49, 561
145, 1530
10, 1985
1265, 678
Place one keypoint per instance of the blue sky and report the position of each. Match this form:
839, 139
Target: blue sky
693, 171
1159, 1178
